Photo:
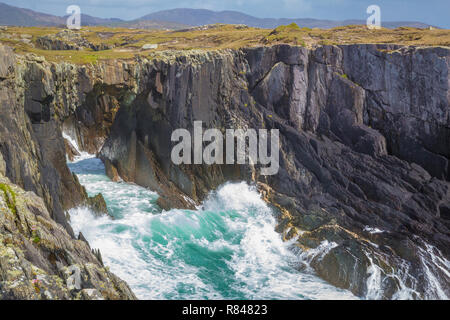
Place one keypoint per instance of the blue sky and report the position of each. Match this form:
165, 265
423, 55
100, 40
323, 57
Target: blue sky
436, 12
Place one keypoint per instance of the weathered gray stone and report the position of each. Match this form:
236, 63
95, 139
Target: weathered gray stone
338, 122
98, 205
6, 62
68, 40
40, 260
364, 139
2, 165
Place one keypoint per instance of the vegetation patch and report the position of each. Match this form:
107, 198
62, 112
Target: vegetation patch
35, 237
128, 43
286, 34
9, 196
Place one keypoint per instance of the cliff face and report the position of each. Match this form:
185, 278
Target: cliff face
38, 101
39, 257
364, 132
364, 149
40, 260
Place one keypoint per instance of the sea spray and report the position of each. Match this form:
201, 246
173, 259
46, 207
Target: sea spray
226, 249
82, 154
434, 263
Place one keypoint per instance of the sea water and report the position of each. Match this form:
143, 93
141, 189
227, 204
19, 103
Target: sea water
225, 249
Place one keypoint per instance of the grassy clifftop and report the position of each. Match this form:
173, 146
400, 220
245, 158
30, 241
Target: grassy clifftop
122, 43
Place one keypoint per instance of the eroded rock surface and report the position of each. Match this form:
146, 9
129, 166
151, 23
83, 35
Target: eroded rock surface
35, 100
68, 40
356, 123
40, 260
364, 160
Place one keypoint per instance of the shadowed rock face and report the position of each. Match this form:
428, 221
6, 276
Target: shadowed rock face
30, 137
35, 99
356, 123
364, 134
407, 101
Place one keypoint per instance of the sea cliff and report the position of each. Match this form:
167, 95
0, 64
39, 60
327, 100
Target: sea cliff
364, 133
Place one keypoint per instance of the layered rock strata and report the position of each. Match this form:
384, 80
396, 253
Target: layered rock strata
364, 131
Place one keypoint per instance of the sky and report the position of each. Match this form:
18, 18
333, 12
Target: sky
434, 12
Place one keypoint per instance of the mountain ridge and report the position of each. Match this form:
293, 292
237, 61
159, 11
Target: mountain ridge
196, 17
15, 16
178, 18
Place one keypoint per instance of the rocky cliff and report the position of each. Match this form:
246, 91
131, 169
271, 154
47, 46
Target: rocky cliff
39, 256
364, 132
365, 144
40, 260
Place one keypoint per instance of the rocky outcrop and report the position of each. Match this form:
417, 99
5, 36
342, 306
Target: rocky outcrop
68, 40
35, 99
407, 100
30, 142
38, 101
40, 260
98, 205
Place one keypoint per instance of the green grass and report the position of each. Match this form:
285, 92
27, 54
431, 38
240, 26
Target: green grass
287, 28
288, 34
36, 239
9, 196
128, 42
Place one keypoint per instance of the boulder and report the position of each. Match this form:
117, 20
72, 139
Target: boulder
149, 46
98, 205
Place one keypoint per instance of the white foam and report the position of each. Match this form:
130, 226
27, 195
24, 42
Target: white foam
263, 264
83, 155
235, 229
149, 278
145, 249
372, 230
373, 282
436, 276
434, 263
319, 252
402, 276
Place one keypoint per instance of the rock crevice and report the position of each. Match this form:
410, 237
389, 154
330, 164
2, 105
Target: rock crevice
364, 132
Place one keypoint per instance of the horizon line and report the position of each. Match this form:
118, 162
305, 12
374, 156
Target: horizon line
220, 11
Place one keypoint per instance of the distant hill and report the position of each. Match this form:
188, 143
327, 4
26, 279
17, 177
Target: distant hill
150, 24
88, 20
14, 16
176, 19
10, 15
197, 17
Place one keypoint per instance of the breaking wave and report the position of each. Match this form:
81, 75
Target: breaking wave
226, 249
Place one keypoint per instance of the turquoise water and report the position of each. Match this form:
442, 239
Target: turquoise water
226, 249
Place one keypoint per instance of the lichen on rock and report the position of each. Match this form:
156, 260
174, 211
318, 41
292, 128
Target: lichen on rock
40, 260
